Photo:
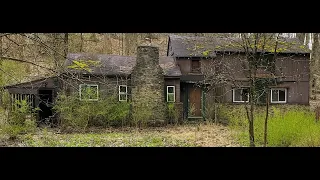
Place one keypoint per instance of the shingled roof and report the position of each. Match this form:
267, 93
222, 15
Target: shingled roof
105, 64
186, 46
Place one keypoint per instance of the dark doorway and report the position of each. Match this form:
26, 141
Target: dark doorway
45, 105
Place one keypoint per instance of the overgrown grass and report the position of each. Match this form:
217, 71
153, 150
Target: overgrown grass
104, 140
294, 126
170, 136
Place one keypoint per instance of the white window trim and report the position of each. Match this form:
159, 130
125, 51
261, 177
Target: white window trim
233, 95
174, 93
96, 85
285, 95
121, 93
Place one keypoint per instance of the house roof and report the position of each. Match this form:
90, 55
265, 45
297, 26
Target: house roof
114, 64
186, 46
34, 82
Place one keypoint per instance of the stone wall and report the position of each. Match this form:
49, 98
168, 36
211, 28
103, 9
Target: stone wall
147, 79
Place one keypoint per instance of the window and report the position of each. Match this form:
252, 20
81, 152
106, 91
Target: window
195, 66
18, 100
241, 95
88, 92
123, 95
279, 95
171, 94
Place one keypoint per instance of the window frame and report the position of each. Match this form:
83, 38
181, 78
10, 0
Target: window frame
285, 95
123, 93
233, 95
197, 69
174, 94
91, 85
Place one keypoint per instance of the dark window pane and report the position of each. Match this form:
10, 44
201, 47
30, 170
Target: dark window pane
123, 89
170, 90
123, 97
195, 66
245, 93
282, 95
170, 97
237, 94
274, 95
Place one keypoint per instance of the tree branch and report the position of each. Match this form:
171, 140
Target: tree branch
28, 62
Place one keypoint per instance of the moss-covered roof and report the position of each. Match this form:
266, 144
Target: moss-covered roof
186, 46
106, 64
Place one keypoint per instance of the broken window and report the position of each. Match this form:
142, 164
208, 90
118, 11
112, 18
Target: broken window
123, 93
170, 93
241, 95
279, 95
89, 92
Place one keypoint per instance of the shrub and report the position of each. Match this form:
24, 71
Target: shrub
21, 120
173, 113
146, 110
79, 114
141, 114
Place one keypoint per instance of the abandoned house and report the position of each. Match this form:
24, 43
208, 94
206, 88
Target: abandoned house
196, 72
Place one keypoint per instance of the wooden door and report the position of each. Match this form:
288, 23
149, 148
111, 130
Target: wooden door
195, 101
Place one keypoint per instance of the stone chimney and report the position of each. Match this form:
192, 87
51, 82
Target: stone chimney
147, 79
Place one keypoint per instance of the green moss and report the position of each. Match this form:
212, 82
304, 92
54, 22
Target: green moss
206, 53
84, 64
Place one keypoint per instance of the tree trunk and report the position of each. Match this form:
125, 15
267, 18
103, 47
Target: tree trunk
55, 49
266, 120
215, 111
251, 125
313, 66
121, 43
107, 43
1, 45
81, 42
301, 37
66, 44
1, 52
127, 42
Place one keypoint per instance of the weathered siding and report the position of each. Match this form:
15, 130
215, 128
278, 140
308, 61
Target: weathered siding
231, 66
293, 68
107, 85
297, 93
290, 67
185, 65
